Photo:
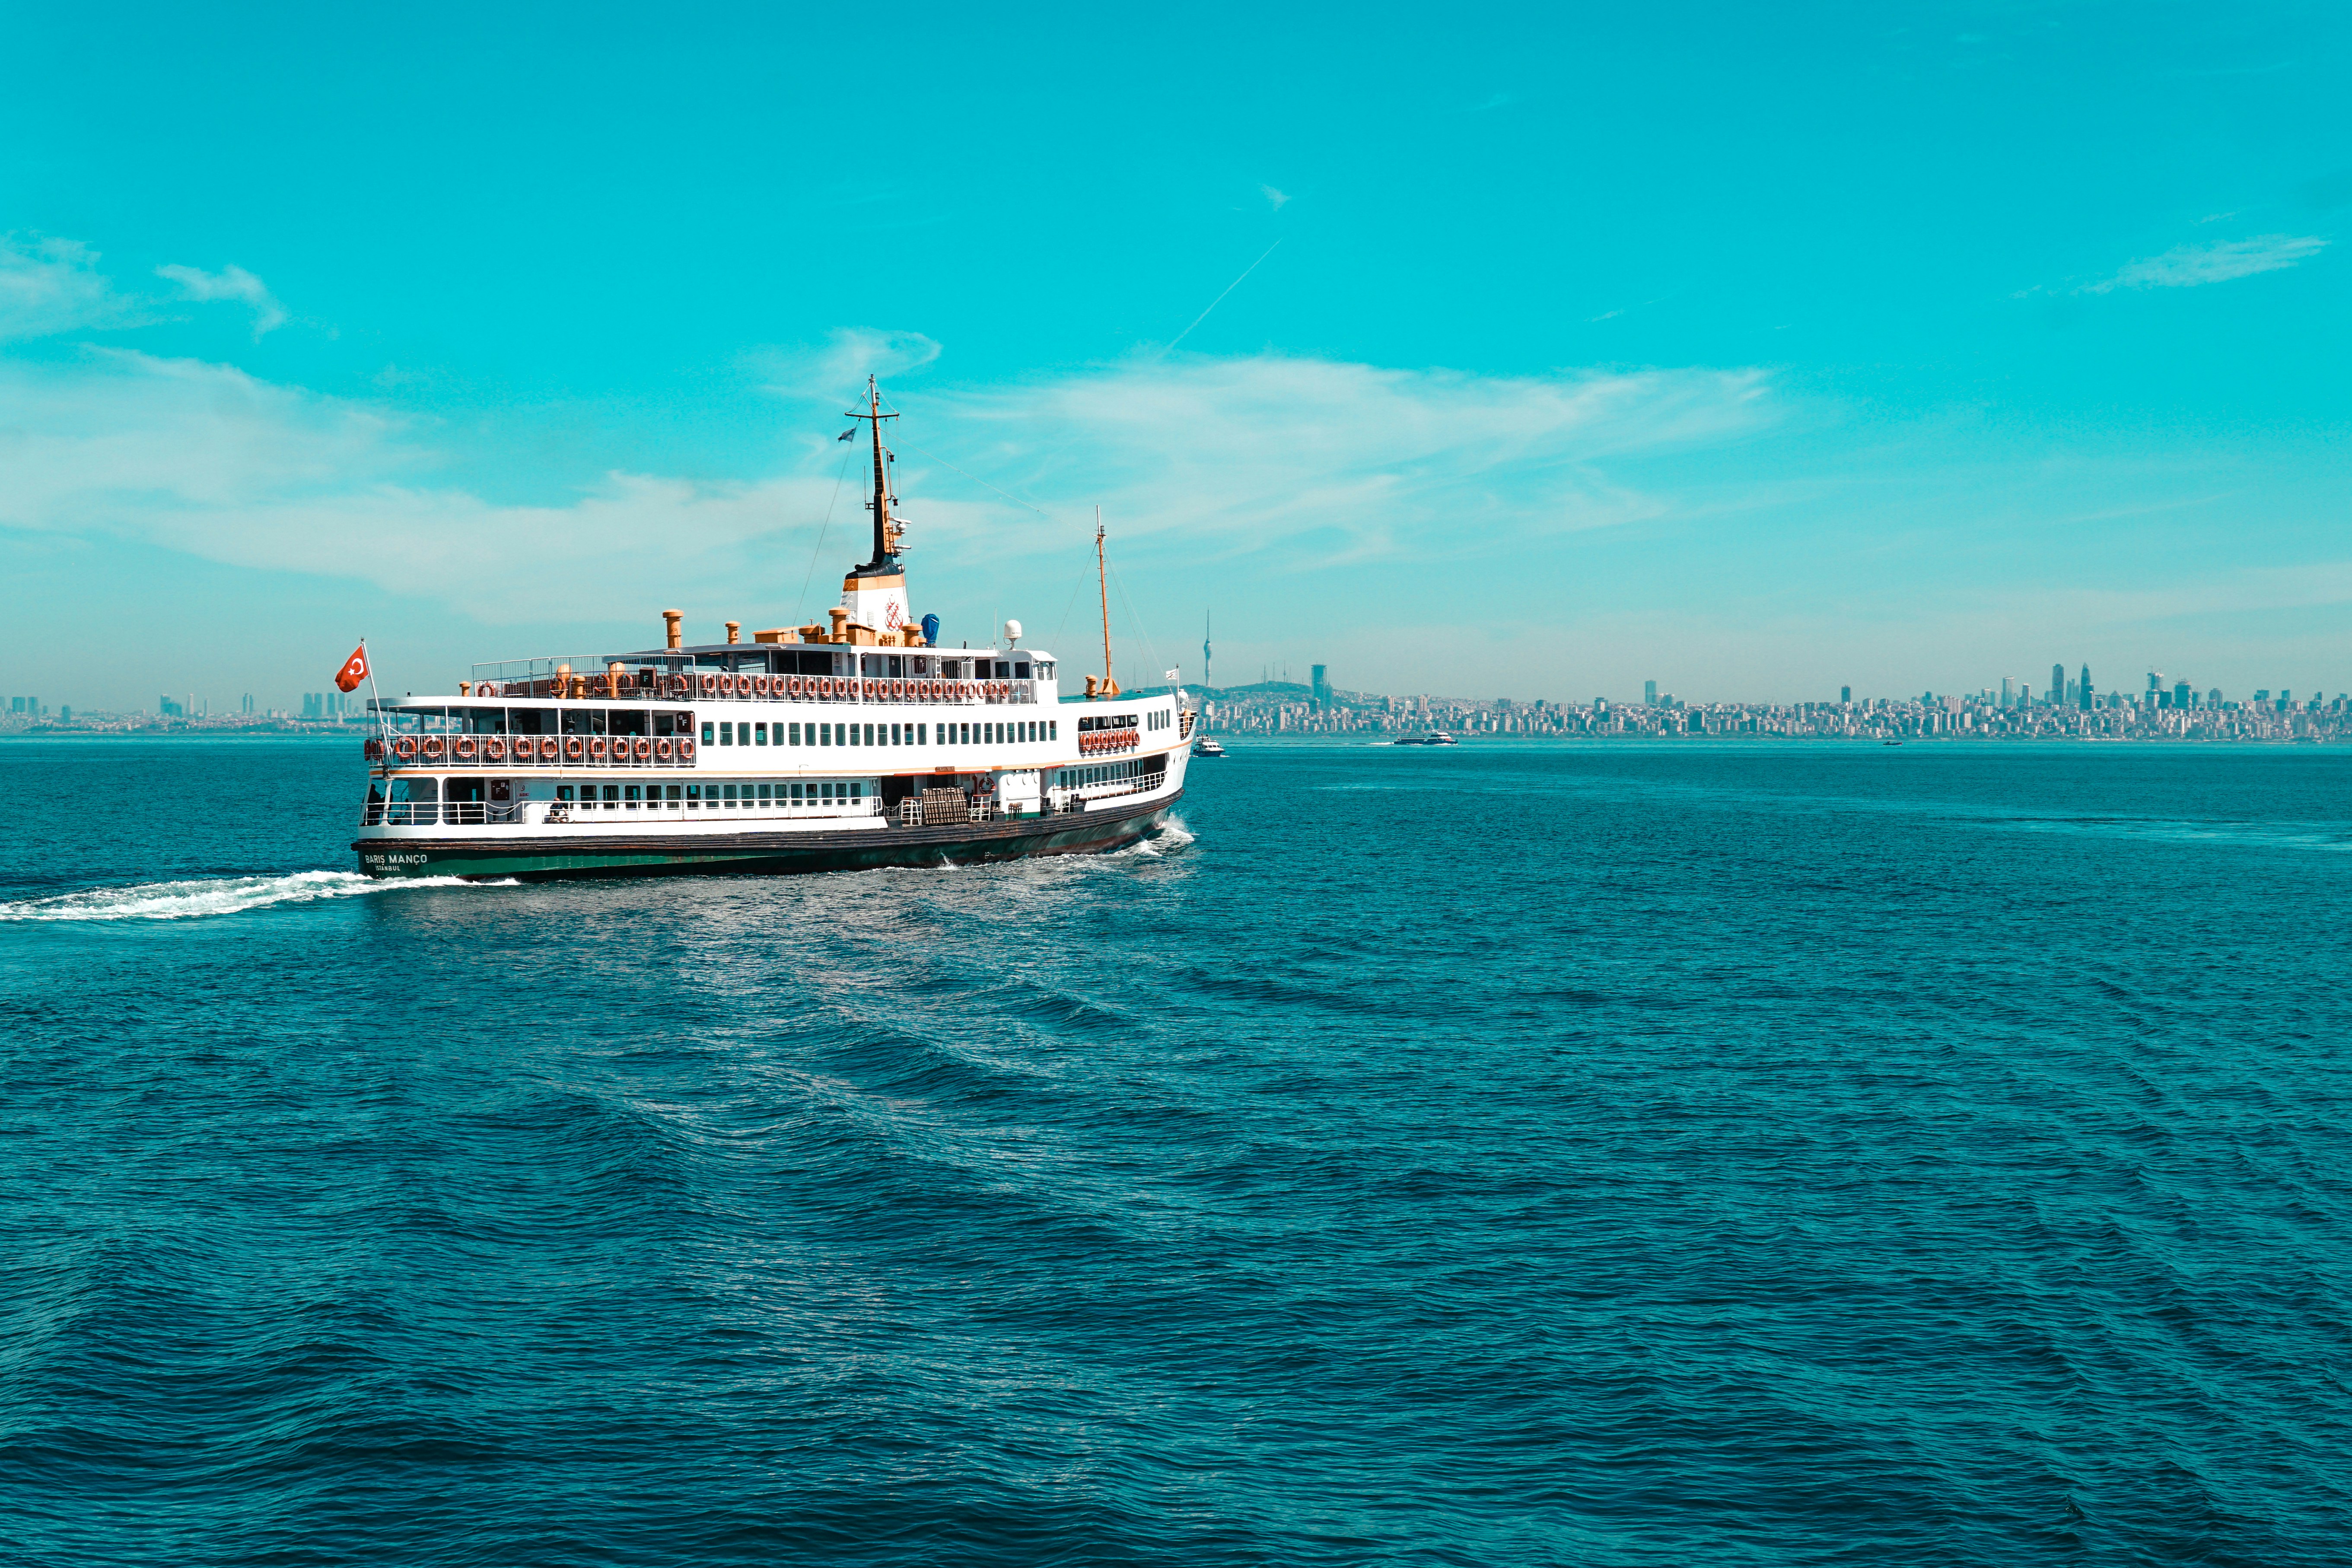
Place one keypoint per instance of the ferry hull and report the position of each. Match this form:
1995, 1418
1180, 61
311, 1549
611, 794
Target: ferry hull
544, 857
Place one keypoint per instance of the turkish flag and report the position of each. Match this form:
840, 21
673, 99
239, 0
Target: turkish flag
354, 670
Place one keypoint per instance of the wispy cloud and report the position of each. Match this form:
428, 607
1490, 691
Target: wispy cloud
1264, 457
52, 286
2187, 265
229, 283
1492, 100
1275, 199
846, 357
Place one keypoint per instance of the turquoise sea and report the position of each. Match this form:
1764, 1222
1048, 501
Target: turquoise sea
1614, 1154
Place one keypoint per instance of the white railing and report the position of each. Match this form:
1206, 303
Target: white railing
721, 686
559, 812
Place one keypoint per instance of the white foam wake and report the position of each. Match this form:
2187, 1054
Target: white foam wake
212, 895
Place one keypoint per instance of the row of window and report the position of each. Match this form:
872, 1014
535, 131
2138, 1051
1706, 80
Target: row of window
748, 797
1105, 773
729, 733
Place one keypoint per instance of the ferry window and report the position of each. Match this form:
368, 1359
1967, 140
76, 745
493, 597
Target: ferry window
825, 734
856, 789
766, 793
673, 797
705, 734
1003, 670
759, 734
1053, 729
629, 795
563, 791
1020, 669
796, 794
726, 734
922, 733
729, 794
898, 664
626, 720
869, 734
612, 797
694, 797
796, 734
963, 735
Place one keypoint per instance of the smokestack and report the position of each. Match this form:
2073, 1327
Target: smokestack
734, 631
840, 614
669, 625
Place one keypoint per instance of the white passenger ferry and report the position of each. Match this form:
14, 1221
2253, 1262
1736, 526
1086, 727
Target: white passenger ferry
847, 742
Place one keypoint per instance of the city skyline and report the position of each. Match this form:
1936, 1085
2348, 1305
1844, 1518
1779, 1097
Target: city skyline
1785, 349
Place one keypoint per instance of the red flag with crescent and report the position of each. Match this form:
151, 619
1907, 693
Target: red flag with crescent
354, 670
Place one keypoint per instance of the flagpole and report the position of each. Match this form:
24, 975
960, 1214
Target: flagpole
375, 701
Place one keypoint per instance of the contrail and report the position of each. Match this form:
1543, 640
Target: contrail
1218, 300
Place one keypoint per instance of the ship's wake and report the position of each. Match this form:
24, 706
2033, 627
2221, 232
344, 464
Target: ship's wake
209, 896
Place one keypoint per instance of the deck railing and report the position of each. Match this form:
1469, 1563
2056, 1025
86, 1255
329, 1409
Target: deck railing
722, 685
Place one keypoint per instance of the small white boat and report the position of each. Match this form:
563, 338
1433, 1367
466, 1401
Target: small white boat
1206, 747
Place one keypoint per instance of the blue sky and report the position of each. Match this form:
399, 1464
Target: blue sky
1756, 352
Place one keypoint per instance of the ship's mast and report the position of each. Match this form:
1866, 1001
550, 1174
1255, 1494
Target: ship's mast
884, 528
1102, 582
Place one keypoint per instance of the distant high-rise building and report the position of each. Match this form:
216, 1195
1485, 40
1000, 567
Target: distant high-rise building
2008, 697
1208, 665
168, 709
1650, 693
1321, 688
1845, 696
2182, 697
15, 705
2057, 683
2213, 698
2156, 681
2072, 694
2086, 685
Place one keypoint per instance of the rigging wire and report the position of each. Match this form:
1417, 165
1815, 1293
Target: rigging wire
1135, 621
838, 477
975, 479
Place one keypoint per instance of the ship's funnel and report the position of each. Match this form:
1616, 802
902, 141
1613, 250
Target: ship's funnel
670, 619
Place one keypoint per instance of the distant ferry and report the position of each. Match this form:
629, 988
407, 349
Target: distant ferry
1434, 738
1204, 747
851, 741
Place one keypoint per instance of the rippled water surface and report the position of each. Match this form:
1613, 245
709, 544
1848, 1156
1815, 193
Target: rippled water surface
1613, 1155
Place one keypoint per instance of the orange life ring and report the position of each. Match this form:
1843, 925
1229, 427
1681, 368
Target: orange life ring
663, 747
641, 749
759, 685
433, 748
597, 750
464, 748
898, 691
373, 749
494, 750
574, 748
686, 748
486, 688
404, 747
710, 684
873, 690
832, 687
792, 685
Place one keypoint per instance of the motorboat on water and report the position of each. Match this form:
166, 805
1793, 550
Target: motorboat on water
1434, 738
854, 741
1202, 746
